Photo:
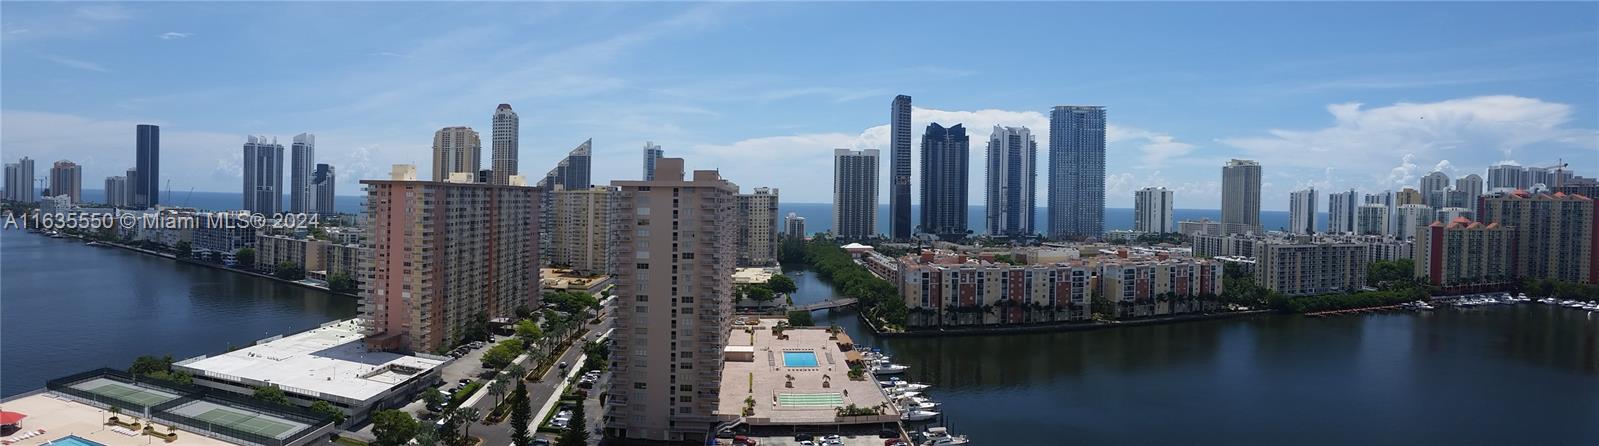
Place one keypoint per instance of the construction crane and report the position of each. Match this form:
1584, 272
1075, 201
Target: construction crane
1560, 170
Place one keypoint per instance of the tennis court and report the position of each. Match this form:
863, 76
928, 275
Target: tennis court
125, 392
810, 399
240, 419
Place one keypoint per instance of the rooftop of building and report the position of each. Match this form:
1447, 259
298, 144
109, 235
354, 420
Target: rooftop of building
807, 391
566, 279
754, 274
327, 360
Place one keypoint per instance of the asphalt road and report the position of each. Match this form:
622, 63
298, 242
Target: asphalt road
538, 392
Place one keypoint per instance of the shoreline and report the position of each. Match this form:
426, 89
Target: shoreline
211, 265
1059, 327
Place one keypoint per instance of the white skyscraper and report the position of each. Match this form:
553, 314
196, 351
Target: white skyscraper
1240, 197
1012, 177
507, 127
1371, 219
652, 152
854, 193
1471, 186
116, 191
19, 180
302, 164
1432, 184
1152, 210
1411, 216
1341, 211
1386, 199
1302, 211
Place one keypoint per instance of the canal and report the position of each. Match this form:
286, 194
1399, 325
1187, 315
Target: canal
1525, 374
68, 307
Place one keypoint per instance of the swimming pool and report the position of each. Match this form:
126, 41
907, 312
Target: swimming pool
799, 359
74, 440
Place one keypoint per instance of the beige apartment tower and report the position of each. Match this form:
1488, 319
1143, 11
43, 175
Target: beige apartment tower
675, 253
757, 233
456, 150
444, 254
582, 230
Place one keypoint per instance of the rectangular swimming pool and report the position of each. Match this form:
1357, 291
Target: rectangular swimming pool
74, 440
799, 359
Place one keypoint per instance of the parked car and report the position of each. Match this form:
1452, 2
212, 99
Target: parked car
562, 365
541, 441
743, 440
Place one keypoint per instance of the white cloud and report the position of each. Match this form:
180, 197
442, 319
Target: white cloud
171, 35
102, 12
75, 63
1404, 173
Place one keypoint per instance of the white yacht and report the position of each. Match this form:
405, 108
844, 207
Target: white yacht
886, 368
916, 402
940, 436
917, 415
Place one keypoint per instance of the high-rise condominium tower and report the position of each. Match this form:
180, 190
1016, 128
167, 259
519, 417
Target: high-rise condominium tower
66, 178
1372, 219
1555, 234
794, 226
1302, 211
946, 155
581, 234
1341, 211
757, 230
445, 253
147, 160
1012, 180
263, 175
674, 291
854, 193
1240, 197
1471, 186
116, 191
1431, 184
302, 164
1152, 210
571, 173
506, 129
19, 180
1076, 171
899, 198
652, 152
1411, 217
456, 150
322, 190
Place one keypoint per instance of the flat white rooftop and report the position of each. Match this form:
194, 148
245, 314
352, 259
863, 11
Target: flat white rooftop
329, 360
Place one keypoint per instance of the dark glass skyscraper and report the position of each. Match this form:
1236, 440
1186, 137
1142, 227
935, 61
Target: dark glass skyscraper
147, 160
1076, 171
945, 166
899, 199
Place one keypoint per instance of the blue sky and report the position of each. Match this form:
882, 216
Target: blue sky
1369, 96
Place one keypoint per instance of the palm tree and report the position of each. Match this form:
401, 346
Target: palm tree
498, 387
470, 415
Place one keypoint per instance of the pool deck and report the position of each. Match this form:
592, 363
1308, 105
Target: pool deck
769, 375
62, 418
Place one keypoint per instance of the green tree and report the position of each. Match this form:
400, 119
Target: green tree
800, 318
271, 395
1388, 273
571, 302
499, 387
288, 271
244, 258
467, 416
477, 329
760, 294
326, 409
501, 354
521, 415
781, 284
528, 332
434, 398
145, 365
427, 437
182, 249
576, 433
341, 283
393, 428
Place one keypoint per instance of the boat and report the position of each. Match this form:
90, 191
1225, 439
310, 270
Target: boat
940, 436
916, 402
917, 415
884, 368
903, 394
92, 243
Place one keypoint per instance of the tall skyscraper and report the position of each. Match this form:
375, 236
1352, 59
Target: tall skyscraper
1458, 251
1012, 180
1386, 199
1555, 234
507, 129
116, 191
1506, 176
1471, 186
445, 254
854, 193
1408, 196
946, 155
66, 178
19, 180
1432, 183
899, 198
581, 234
652, 152
1240, 197
1412, 217
757, 229
302, 164
1341, 211
263, 175
794, 226
147, 160
1152, 210
1302, 211
570, 173
674, 295
130, 198
456, 150
322, 186
1372, 219
1076, 171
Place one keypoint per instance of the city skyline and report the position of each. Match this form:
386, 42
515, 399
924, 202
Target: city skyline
1361, 119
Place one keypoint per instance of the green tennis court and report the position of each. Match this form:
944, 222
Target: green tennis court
810, 399
125, 392
251, 423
